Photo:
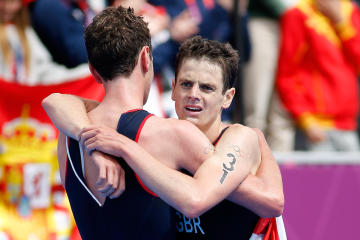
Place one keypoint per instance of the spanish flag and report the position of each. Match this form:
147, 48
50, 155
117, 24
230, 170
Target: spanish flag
33, 204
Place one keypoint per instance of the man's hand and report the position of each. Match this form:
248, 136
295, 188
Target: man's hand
101, 138
98, 141
110, 180
331, 9
315, 133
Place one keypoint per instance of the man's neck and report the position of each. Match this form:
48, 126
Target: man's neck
213, 131
121, 95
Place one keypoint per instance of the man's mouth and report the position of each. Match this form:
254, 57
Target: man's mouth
193, 109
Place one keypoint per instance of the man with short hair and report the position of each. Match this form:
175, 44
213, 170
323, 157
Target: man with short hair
126, 75
205, 72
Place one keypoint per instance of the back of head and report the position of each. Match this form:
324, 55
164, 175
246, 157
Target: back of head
114, 40
221, 54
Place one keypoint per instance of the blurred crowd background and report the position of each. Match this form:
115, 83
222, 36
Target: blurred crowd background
298, 83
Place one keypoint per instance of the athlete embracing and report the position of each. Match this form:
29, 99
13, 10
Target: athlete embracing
159, 147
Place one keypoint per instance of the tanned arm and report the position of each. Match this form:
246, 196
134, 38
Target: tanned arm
68, 112
61, 154
263, 193
215, 179
103, 174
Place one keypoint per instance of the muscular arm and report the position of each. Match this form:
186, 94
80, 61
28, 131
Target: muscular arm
94, 175
263, 193
258, 193
68, 112
61, 154
103, 174
215, 179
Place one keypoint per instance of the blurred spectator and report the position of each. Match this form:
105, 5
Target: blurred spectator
190, 17
358, 127
239, 39
262, 108
60, 26
317, 75
23, 58
156, 16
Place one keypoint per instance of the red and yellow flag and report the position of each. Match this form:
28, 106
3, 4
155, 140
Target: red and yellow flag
33, 204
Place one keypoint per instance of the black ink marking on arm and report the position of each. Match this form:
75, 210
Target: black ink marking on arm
223, 176
231, 168
228, 167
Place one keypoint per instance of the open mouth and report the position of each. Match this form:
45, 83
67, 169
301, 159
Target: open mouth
193, 109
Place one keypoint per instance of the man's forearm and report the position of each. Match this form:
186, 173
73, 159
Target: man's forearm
258, 197
209, 185
161, 179
67, 112
214, 180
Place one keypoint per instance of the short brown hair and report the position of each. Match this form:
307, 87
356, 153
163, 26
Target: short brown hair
215, 52
114, 40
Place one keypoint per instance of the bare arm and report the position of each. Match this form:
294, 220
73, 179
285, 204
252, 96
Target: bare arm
103, 174
216, 178
68, 112
263, 193
61, 154
95, 173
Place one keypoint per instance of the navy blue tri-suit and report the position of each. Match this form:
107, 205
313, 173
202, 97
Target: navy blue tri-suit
135, 215
226, 220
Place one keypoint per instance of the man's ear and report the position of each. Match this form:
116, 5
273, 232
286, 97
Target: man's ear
172, 89
228, 97
145, 59
95, 74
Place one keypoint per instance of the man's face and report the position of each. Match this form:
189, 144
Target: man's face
198, 92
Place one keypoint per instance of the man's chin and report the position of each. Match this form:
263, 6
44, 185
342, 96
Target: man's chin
194, 120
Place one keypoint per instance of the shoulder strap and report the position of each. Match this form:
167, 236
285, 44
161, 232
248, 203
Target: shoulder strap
220, 135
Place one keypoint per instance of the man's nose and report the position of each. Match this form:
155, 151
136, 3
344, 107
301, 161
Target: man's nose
194, 93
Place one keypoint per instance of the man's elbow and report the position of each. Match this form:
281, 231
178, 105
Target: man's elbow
280, 205
194, 207
277, 206
278, 210
47, 102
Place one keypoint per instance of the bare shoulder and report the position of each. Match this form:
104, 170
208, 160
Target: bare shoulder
241, 131
179, 141
244, 140
174, 129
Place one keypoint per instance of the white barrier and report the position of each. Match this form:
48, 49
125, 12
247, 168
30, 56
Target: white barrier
316, 158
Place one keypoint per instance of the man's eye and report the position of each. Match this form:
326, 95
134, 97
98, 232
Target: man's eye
207, 88
186, 84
